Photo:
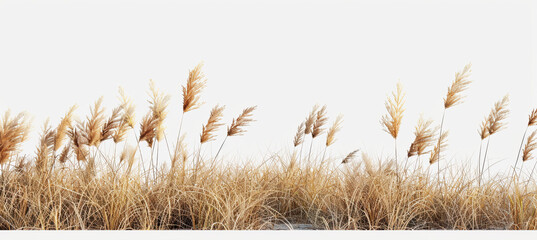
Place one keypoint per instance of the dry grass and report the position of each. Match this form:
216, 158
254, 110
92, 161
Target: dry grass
391, 122
74, 185
460, 84
531, 145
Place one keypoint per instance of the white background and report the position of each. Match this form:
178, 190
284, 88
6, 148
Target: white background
284, 56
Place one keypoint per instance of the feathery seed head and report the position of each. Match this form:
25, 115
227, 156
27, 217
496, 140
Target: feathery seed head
111, 125
212, 125
460, 84
497, 115
148, 128
320, 121
424, 137
158, 104
299, 136
391, 122
533, 118
350, 156
191, 93
336, 127
442, 143
13, 132
310, 120
531, 144
94, 124
61, 130
243, 120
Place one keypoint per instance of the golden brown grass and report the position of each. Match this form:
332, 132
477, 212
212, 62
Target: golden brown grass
81, 187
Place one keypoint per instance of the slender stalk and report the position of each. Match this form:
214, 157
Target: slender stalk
439, 147
197, 164
324, 152
179, 134
484, 159
520, 150
531, 174
157, 162
220, 149
479, 162
301, 147
309, 154
406, 162
395, 148
139, 149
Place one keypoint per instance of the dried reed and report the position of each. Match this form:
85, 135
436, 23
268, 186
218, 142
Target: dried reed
13, 132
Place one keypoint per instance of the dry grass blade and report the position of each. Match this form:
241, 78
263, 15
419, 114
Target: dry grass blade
531, 144
243, 120
533, 118
424, 138
391, 122
350, 156
310, 120
497, 115
440, 144
212, 125
336, 127
320, 121
299, 136
460, 84
13, 132
61, 130
191, 93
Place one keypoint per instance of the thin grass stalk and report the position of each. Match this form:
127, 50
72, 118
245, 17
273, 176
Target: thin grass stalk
520, 150
180, 127
309, 154
479, 162
219, 149
439, 147
484, 159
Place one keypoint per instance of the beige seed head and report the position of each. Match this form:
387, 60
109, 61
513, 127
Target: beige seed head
391, 122
242, 121
436, 151
212, 125
191, 93
320, 121
299, 136
460, 84
531, 144
336, 127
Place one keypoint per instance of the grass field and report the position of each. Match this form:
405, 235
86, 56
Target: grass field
69, 183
